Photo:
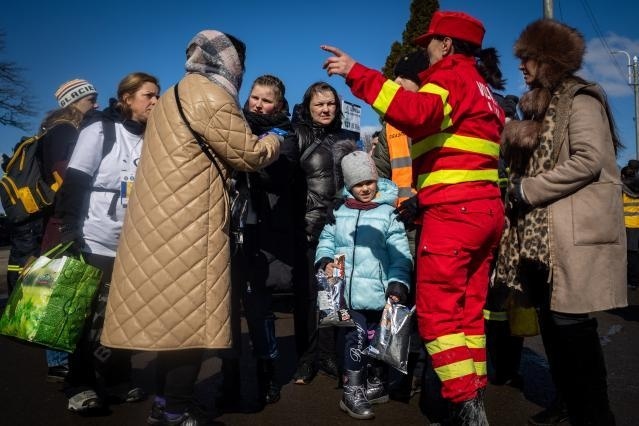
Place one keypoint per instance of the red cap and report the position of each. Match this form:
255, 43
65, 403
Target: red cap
456, 25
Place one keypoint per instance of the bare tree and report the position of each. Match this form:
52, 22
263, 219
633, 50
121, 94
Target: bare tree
16, 105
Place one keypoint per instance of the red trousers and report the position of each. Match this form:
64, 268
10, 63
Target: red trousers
453, 265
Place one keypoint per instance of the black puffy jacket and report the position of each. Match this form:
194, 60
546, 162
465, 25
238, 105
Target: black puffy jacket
318, 168
271, 188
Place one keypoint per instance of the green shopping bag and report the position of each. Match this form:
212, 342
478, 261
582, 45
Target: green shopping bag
51, 300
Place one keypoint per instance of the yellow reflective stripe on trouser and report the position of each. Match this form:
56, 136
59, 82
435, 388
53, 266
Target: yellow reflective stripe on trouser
442, 93
463, 367
444, 343
456, 176
455, 370
385, 97
462, 143
495, 315
477, 342
14, 268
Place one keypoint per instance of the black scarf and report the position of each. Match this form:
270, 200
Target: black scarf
262, 123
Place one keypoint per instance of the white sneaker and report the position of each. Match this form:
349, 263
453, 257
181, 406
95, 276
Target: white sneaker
84, 401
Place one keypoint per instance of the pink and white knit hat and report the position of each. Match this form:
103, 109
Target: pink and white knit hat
73, 91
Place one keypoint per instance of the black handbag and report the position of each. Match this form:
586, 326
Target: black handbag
238, 199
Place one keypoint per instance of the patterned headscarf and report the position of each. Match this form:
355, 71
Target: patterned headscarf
215, 57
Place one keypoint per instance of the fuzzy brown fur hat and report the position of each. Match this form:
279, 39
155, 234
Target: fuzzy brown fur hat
558, 48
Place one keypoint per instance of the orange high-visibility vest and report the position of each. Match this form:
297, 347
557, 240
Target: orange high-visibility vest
400, 161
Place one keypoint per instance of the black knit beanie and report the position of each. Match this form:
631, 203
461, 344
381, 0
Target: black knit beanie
410, 65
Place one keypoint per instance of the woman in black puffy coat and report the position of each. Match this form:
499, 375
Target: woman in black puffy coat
317, 122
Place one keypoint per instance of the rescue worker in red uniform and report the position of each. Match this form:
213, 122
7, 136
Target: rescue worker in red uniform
455, 124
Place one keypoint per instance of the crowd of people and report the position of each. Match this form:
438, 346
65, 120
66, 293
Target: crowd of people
194, 208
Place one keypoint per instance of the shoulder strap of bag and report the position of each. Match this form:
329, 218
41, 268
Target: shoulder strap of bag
308, 151
203, 145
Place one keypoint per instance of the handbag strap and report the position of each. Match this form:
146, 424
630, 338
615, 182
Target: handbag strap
57, 250
206, 149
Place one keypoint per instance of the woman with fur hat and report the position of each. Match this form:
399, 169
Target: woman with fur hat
455, 125
564, 248
378, 265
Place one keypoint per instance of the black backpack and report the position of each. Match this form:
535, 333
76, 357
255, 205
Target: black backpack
23, 191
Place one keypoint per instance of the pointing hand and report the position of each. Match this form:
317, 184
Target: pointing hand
340, 63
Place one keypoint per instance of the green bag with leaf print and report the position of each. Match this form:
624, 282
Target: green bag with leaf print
52, 300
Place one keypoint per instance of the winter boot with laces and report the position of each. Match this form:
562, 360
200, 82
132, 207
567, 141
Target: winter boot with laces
377, 385
354, 401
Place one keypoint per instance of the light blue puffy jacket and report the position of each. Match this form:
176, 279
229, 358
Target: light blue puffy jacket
375, 245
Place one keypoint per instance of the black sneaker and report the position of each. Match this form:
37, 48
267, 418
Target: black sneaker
156, 416
549, 417
57, 373
328, 367
305, 373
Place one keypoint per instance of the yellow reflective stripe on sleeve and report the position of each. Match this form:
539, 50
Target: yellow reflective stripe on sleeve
444, 343
385, 97
480, 368
456, 176
443, 93
495, 315
455, 370
476, 342
463, 143
14, 268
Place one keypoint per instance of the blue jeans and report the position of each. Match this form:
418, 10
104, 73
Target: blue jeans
55, 358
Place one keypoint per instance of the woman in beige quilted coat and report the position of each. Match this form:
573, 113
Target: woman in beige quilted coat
170, 290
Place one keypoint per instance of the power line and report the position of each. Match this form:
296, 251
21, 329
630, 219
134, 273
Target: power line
602, 39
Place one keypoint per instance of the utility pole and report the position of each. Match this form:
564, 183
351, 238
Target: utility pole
548, 7
633, 81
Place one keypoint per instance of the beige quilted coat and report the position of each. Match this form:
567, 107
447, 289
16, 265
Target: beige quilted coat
171, 284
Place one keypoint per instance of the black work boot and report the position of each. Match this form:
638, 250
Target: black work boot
230, 396
469, 413
354, 401
268, 387
554, 415
583, 381
377, 385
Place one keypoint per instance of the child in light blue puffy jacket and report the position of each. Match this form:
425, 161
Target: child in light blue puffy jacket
378, 266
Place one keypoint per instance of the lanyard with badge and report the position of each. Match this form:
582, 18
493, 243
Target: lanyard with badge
127, 174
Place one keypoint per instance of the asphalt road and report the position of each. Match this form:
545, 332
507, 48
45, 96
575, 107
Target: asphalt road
27, 399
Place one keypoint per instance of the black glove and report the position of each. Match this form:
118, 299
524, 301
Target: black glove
516, 196
332, 207
398, 290
407, 212
320, 265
